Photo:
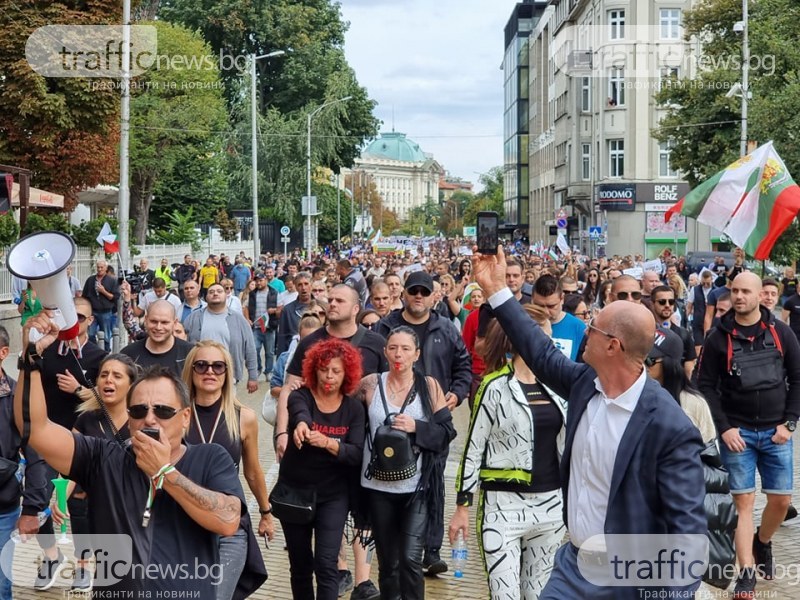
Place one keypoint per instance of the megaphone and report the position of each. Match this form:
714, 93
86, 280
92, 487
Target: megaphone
42, 259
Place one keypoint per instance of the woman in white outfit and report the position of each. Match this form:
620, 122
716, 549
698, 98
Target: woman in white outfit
511, 459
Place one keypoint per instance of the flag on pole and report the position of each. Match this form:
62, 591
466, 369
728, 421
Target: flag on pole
105, 231
561, 242
753, 201
108, 240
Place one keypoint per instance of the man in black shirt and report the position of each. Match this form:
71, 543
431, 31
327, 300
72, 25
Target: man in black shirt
102, 291
160, 347
663, 307
174, 501
184, 273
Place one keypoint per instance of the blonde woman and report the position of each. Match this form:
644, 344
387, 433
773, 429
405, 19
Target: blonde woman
219, 418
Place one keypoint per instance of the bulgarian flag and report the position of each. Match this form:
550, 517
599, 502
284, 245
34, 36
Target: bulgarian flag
752, 200
108, 240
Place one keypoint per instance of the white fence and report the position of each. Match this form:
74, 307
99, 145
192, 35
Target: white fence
83, 265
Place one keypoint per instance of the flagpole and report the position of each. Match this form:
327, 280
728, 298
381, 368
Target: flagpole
745, 76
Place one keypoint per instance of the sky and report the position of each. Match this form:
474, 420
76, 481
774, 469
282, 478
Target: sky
435, 64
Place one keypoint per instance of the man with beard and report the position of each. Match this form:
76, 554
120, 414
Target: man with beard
380, 298
291, 313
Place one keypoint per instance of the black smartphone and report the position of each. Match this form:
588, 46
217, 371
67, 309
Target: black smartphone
151, 431
486, 231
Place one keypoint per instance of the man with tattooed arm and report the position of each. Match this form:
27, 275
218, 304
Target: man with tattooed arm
172, 500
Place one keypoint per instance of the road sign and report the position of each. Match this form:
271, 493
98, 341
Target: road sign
561, 223
285, 239
469, 231
562, 231
595, 232
285, 230
561, 214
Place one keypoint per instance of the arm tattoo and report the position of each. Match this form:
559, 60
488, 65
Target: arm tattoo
224, 507
367, 383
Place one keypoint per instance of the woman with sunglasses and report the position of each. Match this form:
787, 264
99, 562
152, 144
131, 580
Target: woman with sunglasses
399, 511
219, 418
511, 459
102, 414
326, 437
576, 306
592, 288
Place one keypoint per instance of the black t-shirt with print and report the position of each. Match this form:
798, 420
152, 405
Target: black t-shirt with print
173, 359
118, 492
371, 348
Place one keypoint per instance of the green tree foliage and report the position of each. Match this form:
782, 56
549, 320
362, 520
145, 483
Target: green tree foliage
423, 220
177, 115
704, 125
9, 229
85, 234
489, 198
45, 221
180, 230
63, 129
228, 228
452, 219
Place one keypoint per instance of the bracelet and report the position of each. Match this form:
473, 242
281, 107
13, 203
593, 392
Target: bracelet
163, 471
277, 435
264, 513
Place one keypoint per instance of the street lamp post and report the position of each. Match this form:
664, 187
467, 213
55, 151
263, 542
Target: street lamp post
254, 149
309, 241
745, 76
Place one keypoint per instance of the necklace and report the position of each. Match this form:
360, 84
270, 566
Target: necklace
213, 431
399, 392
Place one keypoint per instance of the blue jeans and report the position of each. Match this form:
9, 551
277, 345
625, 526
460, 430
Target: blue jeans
265, 340
102, 320
8, 522
774, 462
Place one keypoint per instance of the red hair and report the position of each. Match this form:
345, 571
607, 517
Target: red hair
321, 353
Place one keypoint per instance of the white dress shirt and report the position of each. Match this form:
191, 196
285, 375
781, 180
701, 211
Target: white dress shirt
594, 452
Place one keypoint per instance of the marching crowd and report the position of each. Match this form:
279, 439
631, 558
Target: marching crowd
607, 396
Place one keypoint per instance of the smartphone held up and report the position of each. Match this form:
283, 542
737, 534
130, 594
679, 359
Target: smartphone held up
486, 232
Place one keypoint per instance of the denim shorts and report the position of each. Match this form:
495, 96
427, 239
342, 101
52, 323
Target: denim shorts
775, 463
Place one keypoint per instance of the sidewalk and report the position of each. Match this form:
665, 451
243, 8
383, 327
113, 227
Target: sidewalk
473, 585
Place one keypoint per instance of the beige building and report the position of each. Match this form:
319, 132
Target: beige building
595, 66
403, 174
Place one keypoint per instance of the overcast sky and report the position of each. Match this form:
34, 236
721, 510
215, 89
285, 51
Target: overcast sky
437, 64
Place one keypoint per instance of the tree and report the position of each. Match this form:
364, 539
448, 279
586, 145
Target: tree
228, 228
64, 129
181, 230
45, 221
9, 229
453, 212
703, 125
177, 114
490, 198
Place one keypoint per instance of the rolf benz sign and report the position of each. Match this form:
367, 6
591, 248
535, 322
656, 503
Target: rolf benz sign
625, 196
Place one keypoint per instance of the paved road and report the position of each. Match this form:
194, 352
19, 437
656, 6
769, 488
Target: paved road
446, 587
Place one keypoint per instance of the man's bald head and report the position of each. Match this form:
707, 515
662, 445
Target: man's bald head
161, 307
748, 279
633, 324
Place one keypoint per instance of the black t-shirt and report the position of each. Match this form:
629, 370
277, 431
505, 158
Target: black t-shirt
214, 431
330, 475
94, 424
789, 286
84, 367
371, 348
118, 492
173, 359
792, 305
421, 329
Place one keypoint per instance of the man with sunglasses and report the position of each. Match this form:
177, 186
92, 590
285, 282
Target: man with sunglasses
627, 289
160, 347
663, 307
443, 356
217, 322
173, 501
631, 462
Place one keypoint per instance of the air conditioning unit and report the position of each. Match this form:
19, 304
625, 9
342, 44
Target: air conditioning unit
580, 60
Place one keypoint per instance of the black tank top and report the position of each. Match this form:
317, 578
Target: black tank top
207, 416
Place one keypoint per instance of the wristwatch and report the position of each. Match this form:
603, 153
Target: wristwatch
790, 425
265, 512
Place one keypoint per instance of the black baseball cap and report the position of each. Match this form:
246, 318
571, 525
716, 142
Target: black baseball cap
419, 279
667, 343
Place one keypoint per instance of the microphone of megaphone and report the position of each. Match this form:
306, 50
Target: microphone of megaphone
42, 259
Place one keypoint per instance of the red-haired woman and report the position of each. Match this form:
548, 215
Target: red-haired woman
327, 427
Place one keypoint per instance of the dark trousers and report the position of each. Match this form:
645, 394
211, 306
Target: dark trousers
46, 537
435, 529
327, 529
79, 519
399, 525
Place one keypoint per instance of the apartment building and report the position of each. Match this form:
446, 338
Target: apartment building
594, 67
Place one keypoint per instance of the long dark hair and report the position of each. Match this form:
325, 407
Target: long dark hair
591, 290
675, 380
420, 381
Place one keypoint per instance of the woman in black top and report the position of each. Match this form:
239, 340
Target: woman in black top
108, 420
326, 433
219, 418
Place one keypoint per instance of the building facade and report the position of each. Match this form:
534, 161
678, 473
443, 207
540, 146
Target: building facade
595, 67
404, 175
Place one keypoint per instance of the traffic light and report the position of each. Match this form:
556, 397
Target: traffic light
553, 230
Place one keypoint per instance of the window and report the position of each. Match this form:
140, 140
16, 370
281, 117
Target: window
664, 167
670, 21
586, 165
616, 24
616, 158
616, 87
586, 94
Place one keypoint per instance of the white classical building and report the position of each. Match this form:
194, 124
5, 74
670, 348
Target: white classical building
403, 174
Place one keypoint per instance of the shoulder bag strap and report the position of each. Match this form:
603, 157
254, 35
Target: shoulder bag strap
383, 396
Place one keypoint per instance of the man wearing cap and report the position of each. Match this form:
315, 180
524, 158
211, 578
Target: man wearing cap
240, 276
443, 356
262, 314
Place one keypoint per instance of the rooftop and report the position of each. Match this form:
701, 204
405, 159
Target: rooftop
395, 146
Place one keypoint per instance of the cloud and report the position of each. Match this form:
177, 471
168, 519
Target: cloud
436, 63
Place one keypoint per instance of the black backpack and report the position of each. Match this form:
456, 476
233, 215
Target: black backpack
394, 457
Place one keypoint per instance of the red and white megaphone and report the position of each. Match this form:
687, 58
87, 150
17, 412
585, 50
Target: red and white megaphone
42, 259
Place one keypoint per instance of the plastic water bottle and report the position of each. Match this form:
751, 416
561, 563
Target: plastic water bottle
21, 469
41, 518
459, 555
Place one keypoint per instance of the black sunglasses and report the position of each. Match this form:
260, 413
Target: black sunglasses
665, 301
82, 318
633, 295
161, 411
217, 367
651, 362
418, 291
